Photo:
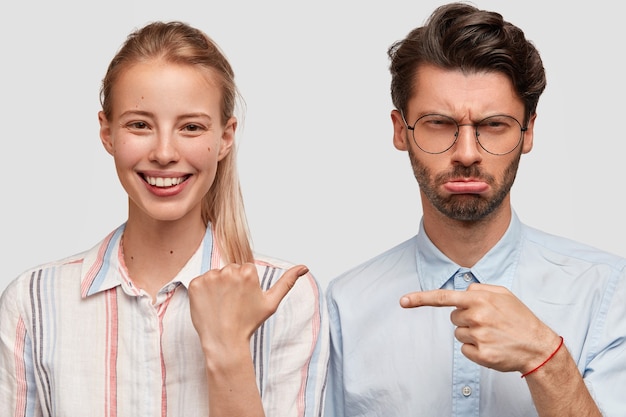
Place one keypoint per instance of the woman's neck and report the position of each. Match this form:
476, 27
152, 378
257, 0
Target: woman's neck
154, 252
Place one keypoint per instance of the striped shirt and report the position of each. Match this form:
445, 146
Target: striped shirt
78, 339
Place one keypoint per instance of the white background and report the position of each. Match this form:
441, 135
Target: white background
322, 182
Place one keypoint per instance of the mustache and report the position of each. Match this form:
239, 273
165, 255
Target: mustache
460, 171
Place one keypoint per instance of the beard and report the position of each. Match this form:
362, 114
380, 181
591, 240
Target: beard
464, 207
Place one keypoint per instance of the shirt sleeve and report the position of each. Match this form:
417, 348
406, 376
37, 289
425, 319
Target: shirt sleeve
334, 405
18, 390
295, 380
605, 373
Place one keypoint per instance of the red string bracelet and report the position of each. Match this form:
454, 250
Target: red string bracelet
546, 361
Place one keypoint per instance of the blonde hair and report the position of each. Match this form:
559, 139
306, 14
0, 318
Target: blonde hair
177, 42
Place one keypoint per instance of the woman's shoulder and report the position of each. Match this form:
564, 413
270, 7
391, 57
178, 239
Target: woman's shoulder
59, 271
271, 269
42, 270
44, 280
271, 262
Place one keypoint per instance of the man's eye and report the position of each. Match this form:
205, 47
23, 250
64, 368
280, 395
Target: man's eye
493, 123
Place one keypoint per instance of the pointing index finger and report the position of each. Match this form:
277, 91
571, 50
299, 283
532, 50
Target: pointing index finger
435, 298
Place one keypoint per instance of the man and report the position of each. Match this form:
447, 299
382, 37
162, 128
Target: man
445, 323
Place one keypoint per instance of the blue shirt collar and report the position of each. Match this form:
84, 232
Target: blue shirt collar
497, 267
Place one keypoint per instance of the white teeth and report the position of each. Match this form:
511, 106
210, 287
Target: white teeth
164, 182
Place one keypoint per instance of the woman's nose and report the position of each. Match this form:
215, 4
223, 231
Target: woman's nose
164, 150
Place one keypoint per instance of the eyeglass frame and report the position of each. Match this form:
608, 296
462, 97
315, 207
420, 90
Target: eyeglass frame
458, 129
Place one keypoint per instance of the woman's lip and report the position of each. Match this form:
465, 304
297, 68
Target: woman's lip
466, 187
166, 191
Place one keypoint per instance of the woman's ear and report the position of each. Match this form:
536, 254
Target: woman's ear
228, 137
105, 132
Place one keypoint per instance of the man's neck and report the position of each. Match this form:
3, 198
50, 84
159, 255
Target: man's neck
465, 243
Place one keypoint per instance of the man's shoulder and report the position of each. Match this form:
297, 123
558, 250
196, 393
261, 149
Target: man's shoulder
395, 260
571, 248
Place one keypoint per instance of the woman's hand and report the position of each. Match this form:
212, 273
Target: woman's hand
228, 305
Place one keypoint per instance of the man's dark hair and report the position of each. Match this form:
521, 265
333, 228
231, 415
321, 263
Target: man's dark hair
460, 36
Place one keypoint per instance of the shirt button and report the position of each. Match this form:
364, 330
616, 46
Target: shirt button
467, 277
467, 391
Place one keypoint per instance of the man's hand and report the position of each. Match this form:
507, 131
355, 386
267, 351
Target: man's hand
497, 330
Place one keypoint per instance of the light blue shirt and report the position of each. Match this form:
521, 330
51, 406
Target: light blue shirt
392, 362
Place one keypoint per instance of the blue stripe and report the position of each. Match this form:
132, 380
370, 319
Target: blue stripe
313, 368
207, 250
106, 264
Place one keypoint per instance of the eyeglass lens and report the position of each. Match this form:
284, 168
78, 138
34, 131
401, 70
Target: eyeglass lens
499, 135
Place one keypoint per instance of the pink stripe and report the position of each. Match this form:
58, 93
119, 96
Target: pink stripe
124, 275
315, 329
215, 258
110, 401
161, 312
20, 369
93, 271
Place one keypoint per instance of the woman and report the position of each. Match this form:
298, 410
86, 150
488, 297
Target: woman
166, 315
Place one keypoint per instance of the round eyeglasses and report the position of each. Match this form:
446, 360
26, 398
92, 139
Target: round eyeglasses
436, 133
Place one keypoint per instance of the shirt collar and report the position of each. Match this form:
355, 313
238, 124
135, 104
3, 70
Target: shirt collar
103, 267
496, 267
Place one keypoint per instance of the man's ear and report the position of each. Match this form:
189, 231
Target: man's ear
228, 138
105, 132
529, 134
399, 131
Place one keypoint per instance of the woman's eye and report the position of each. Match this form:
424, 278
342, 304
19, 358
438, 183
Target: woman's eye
192, 128
137, 125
